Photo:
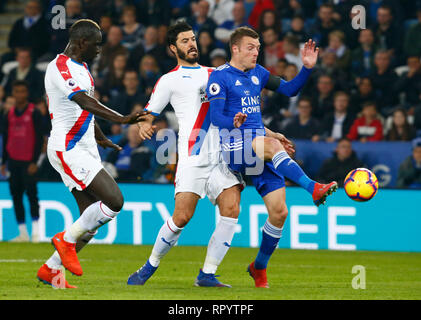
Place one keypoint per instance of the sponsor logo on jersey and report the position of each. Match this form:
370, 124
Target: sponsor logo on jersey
255, 80
250, 104
214, 89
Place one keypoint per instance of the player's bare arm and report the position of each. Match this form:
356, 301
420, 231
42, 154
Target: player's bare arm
93, 106
103, 141
146, 127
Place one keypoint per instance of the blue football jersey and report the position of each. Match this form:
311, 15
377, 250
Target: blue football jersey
241, 92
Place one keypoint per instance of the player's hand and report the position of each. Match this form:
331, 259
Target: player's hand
239, 119
309, 54
107, 143
135, 117
286, 143
32, 169
146, 130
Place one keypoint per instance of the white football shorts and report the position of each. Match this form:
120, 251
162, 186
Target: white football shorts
204, 181
77, 167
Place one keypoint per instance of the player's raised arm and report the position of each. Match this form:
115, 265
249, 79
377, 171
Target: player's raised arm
291, 88
93, 106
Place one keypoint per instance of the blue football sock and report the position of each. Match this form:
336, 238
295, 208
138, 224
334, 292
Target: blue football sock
270, 239
290, 169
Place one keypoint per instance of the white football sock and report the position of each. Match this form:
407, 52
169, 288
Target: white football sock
94, 216
219, 243
54, 262
35, 228
166, 239
22, 229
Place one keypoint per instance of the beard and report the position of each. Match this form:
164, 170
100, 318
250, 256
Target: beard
183, 56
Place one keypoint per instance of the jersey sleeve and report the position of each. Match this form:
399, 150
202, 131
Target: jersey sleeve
160, 96
264, 76
61, 77
216, 87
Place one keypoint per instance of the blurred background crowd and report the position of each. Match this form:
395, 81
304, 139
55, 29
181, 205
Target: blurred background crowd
366, 86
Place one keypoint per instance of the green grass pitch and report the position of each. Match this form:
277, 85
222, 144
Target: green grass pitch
292, 274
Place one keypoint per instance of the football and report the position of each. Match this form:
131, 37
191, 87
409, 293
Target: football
361, 184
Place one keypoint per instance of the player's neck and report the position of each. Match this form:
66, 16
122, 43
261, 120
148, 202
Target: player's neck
184, 63
237, 65
70, 51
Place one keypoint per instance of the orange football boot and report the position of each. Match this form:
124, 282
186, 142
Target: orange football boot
53, 277
321, 191
259, 276
67, 252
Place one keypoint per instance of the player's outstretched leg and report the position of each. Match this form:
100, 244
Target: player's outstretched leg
185, 204
271, 233
166, 239
270, 149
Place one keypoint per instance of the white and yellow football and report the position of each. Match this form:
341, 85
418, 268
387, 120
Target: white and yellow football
361, 184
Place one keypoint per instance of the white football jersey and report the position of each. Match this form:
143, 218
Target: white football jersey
71, 125
185, 89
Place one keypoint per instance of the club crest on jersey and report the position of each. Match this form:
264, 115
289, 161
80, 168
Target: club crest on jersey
255, 80
71, 83
214, 89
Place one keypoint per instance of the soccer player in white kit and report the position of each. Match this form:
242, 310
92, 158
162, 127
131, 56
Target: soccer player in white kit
72, 148
199, 172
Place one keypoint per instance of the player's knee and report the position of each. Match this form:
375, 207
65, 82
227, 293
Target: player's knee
272, 146
279, 214
231, 210
180, 220
116, 204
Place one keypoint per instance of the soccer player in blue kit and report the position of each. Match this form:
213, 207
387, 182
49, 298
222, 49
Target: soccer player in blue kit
234, 95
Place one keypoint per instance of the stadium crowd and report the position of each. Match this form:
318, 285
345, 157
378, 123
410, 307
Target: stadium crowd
366, 86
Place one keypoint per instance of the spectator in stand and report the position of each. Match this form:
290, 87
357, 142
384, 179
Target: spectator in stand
112, 82
269, 19
272, 50
336, 125
105, 22
409, 82
364, 93
205, 45
368, 127
110, 49
322, 98
60, 37
134, 160
149, 73
200, 19
151, 44
362, 57
8, 103
302, 126
27, 71
258, 10
323, 25
338, 46
221, 10
417, 119
292, 52
132, 94
401, 129
412, 45
387, 33
132, 30
95, 9
409, 175
224, 30
23, 138
180, 8
328, 66
31, 31
218, 57
297, 29
384, 79
343, 161
153, 12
